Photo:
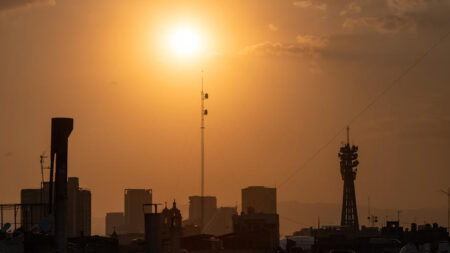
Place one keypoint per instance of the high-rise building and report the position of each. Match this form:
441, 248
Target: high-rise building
78, 207
195, 208
260, 199
221, 222
72, 204
134, 211
114, 222
253, 231
84, 212
258, 226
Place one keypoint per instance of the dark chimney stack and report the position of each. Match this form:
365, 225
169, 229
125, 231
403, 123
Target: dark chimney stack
61, 129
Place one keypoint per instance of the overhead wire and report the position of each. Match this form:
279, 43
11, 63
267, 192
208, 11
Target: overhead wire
392, 84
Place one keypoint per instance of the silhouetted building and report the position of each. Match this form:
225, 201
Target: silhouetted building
201, 243
253, 231
189, 228
78, 207
162, 230
195, 208
84, 212
31, 215
430, 234
391, 238
221, 222
91, 244
134, 213
171, 230
66, 223
259, 198
392, 229
258, 226
30, 196
153, 228
114, 222
72, 210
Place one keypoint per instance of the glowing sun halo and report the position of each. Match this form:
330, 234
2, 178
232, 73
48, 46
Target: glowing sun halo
185, 41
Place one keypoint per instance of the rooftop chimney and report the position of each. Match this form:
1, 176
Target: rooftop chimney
61, 129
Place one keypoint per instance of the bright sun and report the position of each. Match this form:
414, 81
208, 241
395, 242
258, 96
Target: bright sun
185, 42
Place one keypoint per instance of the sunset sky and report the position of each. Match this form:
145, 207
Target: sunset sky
283, 77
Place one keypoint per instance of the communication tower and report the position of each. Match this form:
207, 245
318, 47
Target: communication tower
348, 156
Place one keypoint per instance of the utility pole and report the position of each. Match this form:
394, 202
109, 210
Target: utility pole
204, 112
448, 208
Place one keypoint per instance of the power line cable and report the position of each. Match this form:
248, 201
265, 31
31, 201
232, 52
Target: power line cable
395, 82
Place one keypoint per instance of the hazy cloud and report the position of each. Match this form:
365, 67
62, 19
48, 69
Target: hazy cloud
19, 4
272, 48
322, 6
306, 45
309, 3
385, 24
408, 5
427, 14
311, 41
352, 8
302, 4
273, 28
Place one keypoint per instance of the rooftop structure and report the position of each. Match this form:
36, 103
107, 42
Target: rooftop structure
134, 213
260, 199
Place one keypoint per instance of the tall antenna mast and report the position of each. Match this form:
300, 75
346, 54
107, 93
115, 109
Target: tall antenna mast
204, 112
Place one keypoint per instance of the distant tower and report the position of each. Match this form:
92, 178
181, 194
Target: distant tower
348, 156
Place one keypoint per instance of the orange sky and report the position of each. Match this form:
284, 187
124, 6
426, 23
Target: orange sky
283, 77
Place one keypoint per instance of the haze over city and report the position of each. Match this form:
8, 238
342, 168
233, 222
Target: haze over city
284, 80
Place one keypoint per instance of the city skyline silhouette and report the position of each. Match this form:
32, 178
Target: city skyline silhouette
284, 77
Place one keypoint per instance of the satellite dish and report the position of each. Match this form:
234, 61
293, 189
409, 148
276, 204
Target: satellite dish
6, 227
45, 225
